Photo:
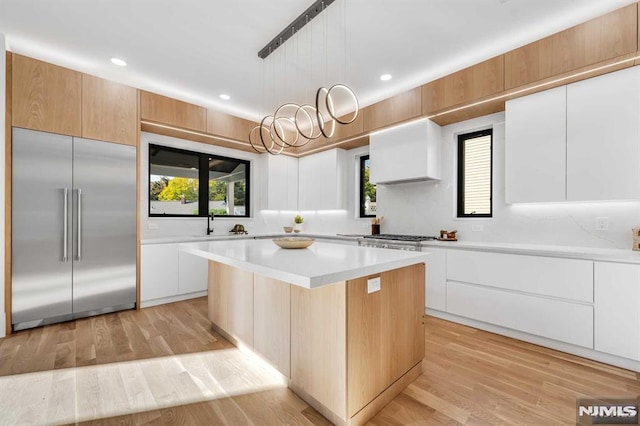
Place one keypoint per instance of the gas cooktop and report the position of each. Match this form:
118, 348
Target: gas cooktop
398, 237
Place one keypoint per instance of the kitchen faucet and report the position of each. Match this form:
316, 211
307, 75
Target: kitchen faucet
209, 228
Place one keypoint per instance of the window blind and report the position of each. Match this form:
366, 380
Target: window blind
477, 175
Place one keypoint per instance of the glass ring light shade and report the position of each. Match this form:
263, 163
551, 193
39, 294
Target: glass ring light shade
254, 140
285, 130
327, 129
265, 126
335, 94
305, 124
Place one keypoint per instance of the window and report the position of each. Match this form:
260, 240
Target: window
186, 183
475, 174
367, 189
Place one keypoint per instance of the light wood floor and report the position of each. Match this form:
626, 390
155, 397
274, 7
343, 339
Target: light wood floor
165, 365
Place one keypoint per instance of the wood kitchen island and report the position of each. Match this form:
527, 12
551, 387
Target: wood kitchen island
309, 313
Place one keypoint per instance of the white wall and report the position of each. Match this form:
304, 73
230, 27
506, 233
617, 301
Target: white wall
262, 221
426, 207
2, 124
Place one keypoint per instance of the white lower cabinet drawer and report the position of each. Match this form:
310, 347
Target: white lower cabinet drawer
555, 319
555, 277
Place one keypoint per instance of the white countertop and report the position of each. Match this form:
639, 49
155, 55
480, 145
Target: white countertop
320, 264
587, 253
572, 252
195, 238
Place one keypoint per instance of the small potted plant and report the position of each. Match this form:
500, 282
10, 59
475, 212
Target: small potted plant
298, 223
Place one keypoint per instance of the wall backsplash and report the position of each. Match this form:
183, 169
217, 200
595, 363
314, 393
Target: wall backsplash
263, 221
420, 207
426, 207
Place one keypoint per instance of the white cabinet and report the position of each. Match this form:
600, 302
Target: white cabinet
158, 271
322, 181
617, 309
544, 296
279, 182
546, 276
555, 319
192, 273
535, 147
579, 142
168, 274
603, 137
436, 279
408, 152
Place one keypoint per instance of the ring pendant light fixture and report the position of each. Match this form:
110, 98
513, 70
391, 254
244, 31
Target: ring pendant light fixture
294, 125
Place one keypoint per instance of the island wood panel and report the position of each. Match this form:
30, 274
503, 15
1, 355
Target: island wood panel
229, 126
385, 332
230, 298
608, 36
7, 193
272, 322
395, 109
109, 111
637, 61
318, 347
162, 109
469, 84
46, 97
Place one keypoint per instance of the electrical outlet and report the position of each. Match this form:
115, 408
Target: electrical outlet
602, 223
373, 285
152, 226
477, 228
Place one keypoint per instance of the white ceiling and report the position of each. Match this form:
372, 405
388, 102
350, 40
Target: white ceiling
195, 50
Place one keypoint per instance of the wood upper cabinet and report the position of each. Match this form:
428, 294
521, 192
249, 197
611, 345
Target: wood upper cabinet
396, 109
228, 126
109, 111
470, 84
161, 109
46, 97
606, 37
345, 131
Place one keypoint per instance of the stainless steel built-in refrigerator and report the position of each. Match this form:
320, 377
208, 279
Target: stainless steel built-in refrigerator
73, 228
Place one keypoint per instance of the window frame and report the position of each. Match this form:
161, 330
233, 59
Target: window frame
203, 176
361, 195
462, 138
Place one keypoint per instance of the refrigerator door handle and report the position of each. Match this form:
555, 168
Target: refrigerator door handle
65, 225
79, 220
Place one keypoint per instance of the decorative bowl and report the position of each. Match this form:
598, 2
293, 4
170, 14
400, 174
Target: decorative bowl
288, 229
293, 242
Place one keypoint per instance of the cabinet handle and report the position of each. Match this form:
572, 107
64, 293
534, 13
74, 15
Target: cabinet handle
79, 234
65, 225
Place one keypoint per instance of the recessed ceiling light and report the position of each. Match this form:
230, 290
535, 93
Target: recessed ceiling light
119, 62
225, 97
385, 77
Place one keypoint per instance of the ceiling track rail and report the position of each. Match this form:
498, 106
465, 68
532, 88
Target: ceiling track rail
305, 17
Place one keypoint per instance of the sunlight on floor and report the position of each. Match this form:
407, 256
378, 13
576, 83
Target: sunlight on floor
86, 393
